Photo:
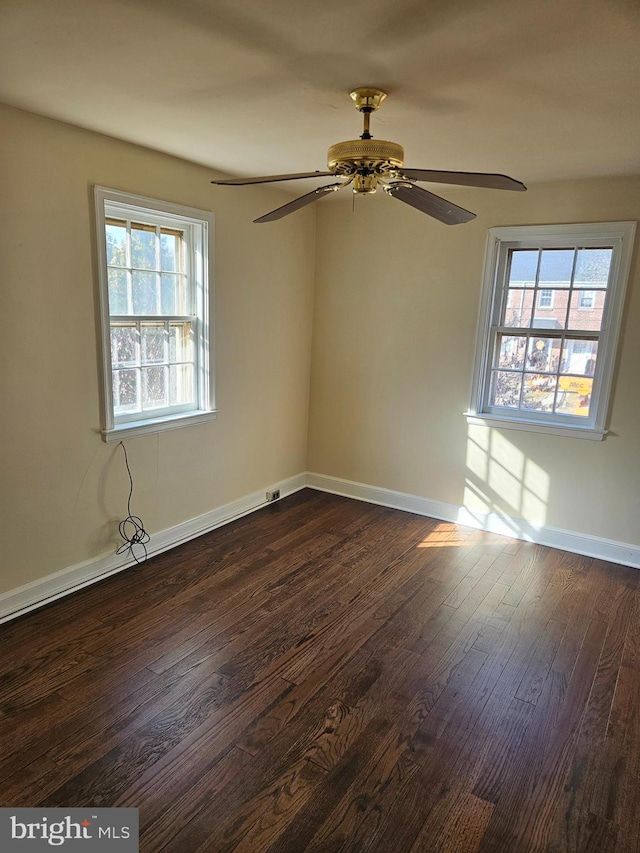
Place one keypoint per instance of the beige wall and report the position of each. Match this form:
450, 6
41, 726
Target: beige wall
63, 489
396, 303
396, 299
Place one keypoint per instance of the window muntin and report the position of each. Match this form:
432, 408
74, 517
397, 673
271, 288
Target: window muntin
551, 309
154, 275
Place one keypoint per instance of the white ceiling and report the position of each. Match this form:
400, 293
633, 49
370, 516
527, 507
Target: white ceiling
538, 90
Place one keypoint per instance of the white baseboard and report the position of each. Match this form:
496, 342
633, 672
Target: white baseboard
516, 528
18, 601
40, 592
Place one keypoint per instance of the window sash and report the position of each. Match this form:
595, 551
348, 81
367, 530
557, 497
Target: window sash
501, 291
555, 376
166, 362
131, 224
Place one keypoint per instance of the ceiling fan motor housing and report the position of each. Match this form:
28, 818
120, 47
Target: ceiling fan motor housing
366, 159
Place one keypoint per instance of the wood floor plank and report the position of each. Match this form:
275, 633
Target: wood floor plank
188, 799
366, 643
615, 790
574, 822
329, 675
536, 672
328, 737
63, 725
359, 814
536, 794
198, 749
462, 831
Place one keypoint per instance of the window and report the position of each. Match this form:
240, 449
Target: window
587, 299
543, 362
545, 299
155, 272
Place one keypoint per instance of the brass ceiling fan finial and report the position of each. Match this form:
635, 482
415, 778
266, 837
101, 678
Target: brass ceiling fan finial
365, 163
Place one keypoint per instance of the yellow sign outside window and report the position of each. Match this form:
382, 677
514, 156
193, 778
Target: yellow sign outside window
577, 384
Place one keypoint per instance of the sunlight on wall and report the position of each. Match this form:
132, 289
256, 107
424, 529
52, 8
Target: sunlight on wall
506, 467
535, 494
503, 483
478, 451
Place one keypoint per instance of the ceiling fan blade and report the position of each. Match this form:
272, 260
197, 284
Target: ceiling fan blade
297, 203
464, 179
434, 205
267, 179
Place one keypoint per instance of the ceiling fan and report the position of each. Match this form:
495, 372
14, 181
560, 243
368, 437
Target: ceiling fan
366, 162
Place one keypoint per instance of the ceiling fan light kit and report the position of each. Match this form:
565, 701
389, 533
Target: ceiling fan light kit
367, 163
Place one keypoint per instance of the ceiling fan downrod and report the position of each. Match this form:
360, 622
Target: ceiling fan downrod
367, 101
365, 134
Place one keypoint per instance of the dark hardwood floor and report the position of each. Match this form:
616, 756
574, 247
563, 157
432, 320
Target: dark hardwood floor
329, 675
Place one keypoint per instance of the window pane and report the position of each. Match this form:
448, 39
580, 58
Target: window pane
544, 354
174, 298
574, 395
517, 309
592, 267
505, 390
538, 392
170, 251
181, 387
116, 234
125, 391
511, 350
145, 293
523, 268
124, 346
154, 387
556, 266
180, 347
551, 309
152, 341
143, 246
579, 357
118, 303
582, 317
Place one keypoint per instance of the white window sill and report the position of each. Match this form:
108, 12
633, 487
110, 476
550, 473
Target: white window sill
151, 425
535, 426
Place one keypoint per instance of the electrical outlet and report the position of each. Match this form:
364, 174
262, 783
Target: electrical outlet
273, 495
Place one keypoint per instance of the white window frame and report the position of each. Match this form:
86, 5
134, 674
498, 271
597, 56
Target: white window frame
198, 224
617, 235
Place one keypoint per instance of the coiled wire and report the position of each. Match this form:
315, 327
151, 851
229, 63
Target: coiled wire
131, 528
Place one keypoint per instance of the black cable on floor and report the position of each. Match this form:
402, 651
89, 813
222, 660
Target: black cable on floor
131, 528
